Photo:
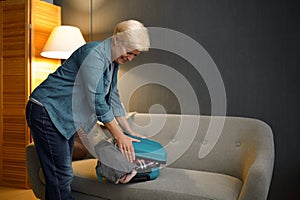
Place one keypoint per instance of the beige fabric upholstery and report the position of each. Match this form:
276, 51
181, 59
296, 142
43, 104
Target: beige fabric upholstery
172, 183
239, 166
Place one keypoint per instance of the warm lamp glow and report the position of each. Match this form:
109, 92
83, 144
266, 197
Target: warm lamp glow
63, 41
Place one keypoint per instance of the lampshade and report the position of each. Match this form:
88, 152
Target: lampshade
63, 41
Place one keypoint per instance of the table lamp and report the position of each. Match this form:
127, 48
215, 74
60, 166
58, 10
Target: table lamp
63, 41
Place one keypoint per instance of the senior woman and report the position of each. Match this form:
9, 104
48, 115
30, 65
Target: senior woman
82, 91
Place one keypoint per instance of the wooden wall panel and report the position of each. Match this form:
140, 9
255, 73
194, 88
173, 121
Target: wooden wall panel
25, 27
1, 83
15, 46
44, 18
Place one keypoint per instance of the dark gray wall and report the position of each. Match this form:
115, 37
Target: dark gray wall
254, 43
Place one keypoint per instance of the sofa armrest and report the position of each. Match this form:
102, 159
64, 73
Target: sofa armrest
33, 168
258, 172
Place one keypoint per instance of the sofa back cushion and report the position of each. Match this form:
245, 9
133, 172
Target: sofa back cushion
239, 143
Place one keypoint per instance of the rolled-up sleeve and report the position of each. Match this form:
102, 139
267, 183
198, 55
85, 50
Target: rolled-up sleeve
117, 107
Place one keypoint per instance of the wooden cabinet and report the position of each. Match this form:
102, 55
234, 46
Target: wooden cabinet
25, 26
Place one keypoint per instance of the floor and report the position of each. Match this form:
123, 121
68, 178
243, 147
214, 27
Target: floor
16, 194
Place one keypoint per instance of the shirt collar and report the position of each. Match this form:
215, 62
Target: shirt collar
107, 48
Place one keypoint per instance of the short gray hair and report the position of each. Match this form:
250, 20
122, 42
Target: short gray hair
130, 35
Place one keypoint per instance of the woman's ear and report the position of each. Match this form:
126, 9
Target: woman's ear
115, 39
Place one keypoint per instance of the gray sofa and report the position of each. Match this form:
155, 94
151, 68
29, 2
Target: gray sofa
210, 158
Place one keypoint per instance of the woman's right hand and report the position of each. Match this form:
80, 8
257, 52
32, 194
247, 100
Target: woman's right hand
125, 145
124, 142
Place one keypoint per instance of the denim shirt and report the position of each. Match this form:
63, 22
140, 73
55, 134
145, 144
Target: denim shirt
75, 95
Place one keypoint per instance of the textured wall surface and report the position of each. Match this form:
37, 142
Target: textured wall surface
255, 45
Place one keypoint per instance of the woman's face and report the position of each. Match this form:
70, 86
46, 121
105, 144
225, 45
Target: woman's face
129, 56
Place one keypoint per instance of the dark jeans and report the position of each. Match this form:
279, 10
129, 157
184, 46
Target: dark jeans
54, 151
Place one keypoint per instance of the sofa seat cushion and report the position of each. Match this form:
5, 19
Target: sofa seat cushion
173, 183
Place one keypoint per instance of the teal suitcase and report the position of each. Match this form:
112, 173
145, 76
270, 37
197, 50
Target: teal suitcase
150, 157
